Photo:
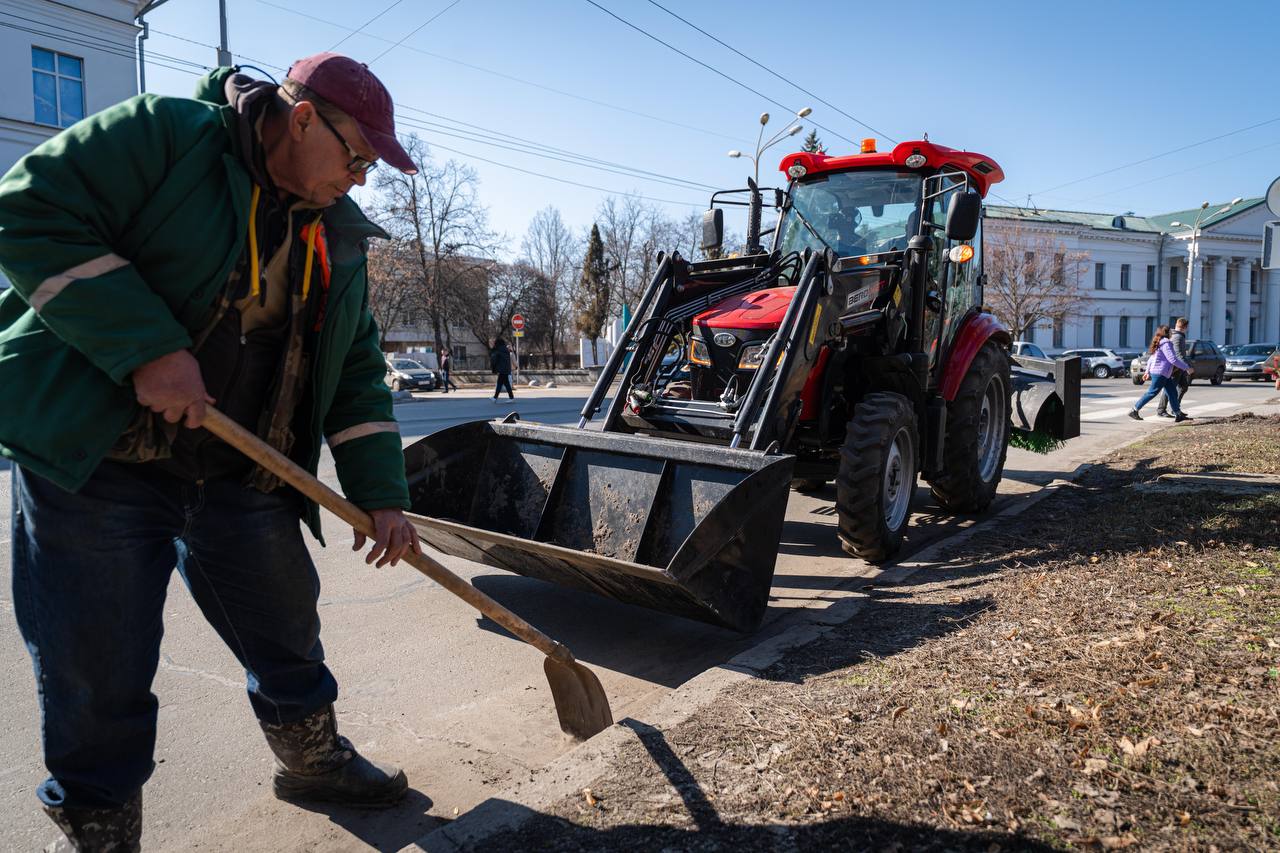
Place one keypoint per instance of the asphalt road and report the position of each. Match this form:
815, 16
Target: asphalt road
428, 683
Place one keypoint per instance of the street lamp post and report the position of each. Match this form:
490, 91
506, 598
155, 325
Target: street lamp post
774, 140
1193, 295
753, 215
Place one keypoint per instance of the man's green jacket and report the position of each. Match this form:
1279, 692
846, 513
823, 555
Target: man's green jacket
118, 236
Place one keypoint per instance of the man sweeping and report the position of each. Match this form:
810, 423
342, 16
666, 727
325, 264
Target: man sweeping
166, 255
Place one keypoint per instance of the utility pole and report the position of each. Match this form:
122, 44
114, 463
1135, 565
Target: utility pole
224, 55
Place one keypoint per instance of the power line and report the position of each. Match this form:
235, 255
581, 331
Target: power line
710, 68
1162, 154
1182, 171
500, 74
81, 39
360, 29
605, 166
564, 180
414, 32
522, 144
763, 67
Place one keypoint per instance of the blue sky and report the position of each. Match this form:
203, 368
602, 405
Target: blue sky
1055, 92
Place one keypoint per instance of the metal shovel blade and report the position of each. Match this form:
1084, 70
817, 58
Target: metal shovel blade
580, 699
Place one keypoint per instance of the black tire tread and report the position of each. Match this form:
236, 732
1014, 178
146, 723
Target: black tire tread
959, 488
875, 421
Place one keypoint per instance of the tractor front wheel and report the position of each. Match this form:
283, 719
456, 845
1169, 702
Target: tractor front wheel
977, 435
878, 468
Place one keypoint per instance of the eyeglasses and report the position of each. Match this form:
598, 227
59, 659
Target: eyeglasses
357, 165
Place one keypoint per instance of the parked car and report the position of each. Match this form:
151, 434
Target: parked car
1203, 356
1028, 349
1230, 349
1098, 363
405, 374
1248, 361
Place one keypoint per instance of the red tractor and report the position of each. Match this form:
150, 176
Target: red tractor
853, 349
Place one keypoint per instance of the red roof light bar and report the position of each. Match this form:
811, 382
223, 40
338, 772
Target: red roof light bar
981, 169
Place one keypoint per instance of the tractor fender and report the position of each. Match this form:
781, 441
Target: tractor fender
975, 330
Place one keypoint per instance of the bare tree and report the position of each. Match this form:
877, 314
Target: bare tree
549, 247
492, 295
622, 221
1032, 277
395, 288
437, 213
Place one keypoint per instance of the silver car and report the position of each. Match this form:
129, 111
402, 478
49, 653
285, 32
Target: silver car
1099, 363
1248, 361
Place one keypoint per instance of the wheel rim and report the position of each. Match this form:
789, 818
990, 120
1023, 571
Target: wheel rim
990, 432
898, 470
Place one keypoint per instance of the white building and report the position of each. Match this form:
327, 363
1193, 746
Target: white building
59, 62
1136, 276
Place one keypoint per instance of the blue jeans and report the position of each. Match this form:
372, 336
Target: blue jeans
1159, 383
90, 571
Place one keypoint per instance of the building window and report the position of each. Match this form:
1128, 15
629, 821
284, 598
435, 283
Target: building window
1150, 331
1099, 276
1173, 278
1124, 331
1031, 333
57, 82
1253, 329
1231, 280
1151, 276
1097, 331
1058, 332
1124, 276
1253, 280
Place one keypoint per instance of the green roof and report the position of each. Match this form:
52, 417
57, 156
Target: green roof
1188, 217
1114, 221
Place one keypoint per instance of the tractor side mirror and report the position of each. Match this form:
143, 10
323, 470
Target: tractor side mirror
962, 215
712, 232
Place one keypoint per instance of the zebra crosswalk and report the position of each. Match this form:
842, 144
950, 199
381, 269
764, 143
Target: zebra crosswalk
1115, 412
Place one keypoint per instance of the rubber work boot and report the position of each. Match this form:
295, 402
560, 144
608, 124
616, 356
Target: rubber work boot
314, 762
98, 830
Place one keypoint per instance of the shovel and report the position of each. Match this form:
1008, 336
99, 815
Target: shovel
581, 703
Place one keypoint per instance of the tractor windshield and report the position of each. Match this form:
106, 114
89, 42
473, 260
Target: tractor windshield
855, 213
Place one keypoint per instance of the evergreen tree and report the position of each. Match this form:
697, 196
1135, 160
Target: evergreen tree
812, 144
592, 304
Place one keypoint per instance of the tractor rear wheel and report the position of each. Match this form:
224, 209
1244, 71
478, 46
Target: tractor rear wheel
878, 468
977, 434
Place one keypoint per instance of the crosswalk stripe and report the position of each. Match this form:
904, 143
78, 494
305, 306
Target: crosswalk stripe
1117, 411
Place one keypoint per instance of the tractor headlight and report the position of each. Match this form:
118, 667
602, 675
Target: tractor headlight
698, 353
752, 357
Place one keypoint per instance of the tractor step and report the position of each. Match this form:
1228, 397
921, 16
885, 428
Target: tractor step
683, 528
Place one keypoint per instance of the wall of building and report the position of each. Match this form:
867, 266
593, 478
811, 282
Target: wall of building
99, 32
1234, 244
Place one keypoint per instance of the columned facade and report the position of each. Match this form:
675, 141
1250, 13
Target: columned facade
1142, 272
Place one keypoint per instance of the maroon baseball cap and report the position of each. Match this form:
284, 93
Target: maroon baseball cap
352, 87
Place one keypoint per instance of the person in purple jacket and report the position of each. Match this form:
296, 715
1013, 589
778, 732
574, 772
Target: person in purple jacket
1160, 365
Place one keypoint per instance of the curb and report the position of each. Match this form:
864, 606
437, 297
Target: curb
576, 768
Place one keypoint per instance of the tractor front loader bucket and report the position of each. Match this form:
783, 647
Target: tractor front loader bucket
679, 527
1046, 396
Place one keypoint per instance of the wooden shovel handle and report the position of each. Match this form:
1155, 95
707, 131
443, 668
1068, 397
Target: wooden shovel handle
284, 468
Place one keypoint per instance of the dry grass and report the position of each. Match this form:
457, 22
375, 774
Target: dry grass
1102, 673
